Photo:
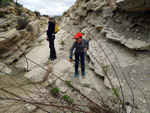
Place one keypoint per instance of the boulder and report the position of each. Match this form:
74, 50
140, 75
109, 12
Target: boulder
61, 67
4, 69
37, 75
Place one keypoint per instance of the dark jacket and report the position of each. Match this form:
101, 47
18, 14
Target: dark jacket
51, 28
79, 47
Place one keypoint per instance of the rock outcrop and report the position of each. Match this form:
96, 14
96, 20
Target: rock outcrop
134, 5
13, 39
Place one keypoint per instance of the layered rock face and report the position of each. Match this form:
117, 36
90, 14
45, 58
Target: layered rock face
118, 37
131, 29
13, 39
133, 5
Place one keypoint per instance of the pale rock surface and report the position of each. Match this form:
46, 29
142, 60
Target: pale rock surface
41, 38
36, 75
81, 12
99, 8
114, 81
61, 67
4, 69
39, 55
29, 108
9, 35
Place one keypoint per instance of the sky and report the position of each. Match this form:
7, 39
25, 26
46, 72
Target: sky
48, 7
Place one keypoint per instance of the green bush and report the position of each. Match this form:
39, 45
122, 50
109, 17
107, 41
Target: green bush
22, 23
86, 85
2, 15
18, 10
68, 83
29, 28
54, 91
61, 48
67, 99
5, 29
62, 43
18, 5
64, 13
4, 3
37, 13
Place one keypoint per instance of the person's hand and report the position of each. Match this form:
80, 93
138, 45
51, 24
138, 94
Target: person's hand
47, 39
71, 60
86, 49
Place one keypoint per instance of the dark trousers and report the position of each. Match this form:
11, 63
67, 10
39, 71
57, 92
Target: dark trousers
77, 62
52, 47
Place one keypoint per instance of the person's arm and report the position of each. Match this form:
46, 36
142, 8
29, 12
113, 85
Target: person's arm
71, 50
86, 45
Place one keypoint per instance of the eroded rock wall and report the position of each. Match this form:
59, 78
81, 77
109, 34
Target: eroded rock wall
11, 37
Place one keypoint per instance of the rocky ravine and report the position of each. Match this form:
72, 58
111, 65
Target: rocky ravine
115, 35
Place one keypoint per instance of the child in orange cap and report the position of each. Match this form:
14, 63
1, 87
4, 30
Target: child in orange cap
81, 46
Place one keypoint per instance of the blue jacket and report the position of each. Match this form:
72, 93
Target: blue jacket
79, 47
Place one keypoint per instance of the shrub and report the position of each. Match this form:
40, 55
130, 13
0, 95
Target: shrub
68, 82
18, 10
5, 29
29, 28
64, 13
105, 68
86, 85
62, 42
61, 48
18, 5
67, 99
54, 91
37, 13
22, 23
2, 15
4, 3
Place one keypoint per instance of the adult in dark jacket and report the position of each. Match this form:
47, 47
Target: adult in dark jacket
51, 38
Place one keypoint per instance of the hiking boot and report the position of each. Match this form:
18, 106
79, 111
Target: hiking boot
76, 74
83, 74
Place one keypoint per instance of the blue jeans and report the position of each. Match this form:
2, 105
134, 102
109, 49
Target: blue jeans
77, 62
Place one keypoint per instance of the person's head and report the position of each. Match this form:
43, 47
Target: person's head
54, 20
50, 18
78, 37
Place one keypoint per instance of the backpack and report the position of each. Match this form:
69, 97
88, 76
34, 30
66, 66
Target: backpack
56, 28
